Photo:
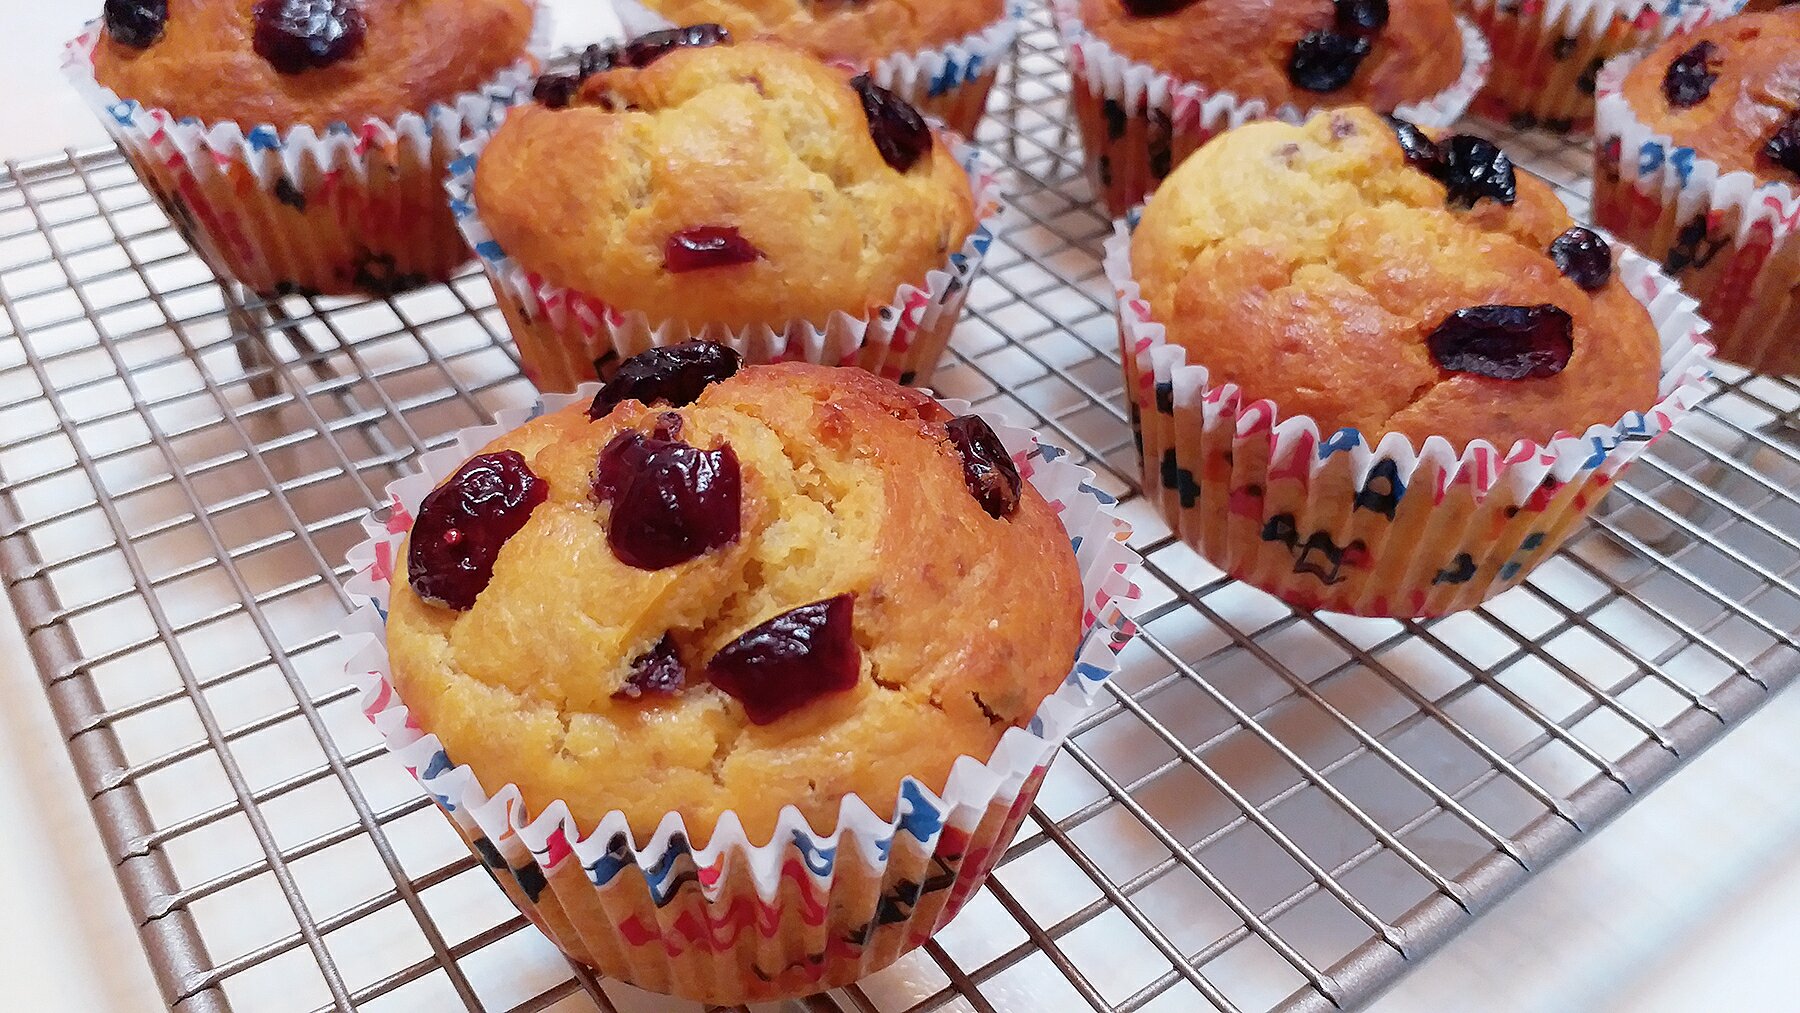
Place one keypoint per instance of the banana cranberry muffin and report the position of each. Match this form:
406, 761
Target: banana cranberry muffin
711, 592
1227, 61
692, 183
1388, 283
1698, 165
301, 145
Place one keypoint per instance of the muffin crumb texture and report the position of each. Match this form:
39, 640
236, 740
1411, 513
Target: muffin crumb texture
859, 31
1389, 283
869, 617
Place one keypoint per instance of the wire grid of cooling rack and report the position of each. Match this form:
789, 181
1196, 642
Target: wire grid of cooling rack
1270, 810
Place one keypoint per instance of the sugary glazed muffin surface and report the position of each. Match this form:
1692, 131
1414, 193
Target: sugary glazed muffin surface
1381, 53
1729, 90
813, 191
859, 31
1425, 290
937, 619
314, 62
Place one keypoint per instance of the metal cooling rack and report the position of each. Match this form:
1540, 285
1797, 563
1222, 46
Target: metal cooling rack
1271, 810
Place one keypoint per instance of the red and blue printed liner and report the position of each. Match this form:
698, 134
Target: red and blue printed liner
949, 82
563, 335
1731, 240
338, 209
1137, 123
728, 921
1547, 53
1330, 522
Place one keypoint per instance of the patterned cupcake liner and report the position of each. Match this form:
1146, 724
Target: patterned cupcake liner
1547, 53
354, 208
1137, 123
731, 921
1327, 521
566, 338
1732, 241
949, 82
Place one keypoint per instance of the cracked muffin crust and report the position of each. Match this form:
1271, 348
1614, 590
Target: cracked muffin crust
1382, 53
234, 60
1324, 266
751, 141
857, 31
1729, 90
856, 496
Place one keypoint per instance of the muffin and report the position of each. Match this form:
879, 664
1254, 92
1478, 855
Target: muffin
791, 639
684, 186
1698, 165
942, 57
1380, 373
1547, 55
1163, 76
301, 146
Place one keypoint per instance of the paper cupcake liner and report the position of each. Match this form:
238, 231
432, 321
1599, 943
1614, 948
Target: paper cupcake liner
730, 921
354, 208
948, 82
565, 337
1732, 241
1137, 123
1327, 521
1547, 54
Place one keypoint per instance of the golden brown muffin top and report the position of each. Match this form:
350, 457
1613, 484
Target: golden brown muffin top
1310, 264
964, 621
755, 138
856, 31
206, 61
1728, 90
1251, 47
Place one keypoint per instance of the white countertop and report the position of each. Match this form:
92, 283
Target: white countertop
1691, 901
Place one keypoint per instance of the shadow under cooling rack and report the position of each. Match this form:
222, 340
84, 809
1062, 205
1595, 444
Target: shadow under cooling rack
1271, 809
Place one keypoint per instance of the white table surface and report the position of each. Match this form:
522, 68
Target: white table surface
1690, 902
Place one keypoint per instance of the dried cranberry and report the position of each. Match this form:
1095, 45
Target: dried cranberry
1583, 257
988, 470
706, 246
463, 524
1421, 152
1326, 61
1475, 168
554, 91
1362, 16
899, 132
595, 59
673, 375
791, 660
1154, 8
1784, 145
1690, 76
670, 502
650, 47
658, 670
136, 23
1504, 342
297, 35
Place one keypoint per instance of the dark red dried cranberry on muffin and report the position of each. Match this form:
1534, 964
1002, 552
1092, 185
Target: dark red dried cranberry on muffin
1475, 168
1326, 61
1690, 76
463, 524
791, 660
136, 23
299, 35
672, 374
554, 91
671, 502
899, 132
658, 670
1421, 152
650, 47
988, 470
1783, 148
708, 246
1154, 8
1504, 342
1583, 257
